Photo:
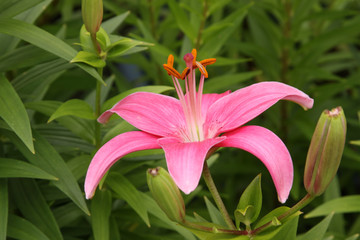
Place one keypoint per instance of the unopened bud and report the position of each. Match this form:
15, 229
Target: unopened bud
92, 14
166, 193
325, 151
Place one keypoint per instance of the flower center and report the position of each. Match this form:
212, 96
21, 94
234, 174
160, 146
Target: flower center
191, 99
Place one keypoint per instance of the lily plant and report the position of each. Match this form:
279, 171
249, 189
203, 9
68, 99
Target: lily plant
191, 128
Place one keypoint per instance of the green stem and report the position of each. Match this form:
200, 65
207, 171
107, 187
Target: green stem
301, 204
98, 111
214, 192
210, 229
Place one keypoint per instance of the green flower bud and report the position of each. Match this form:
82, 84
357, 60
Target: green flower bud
325, 151
166, 193
92, 14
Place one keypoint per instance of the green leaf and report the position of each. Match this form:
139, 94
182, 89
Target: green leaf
220, 61
14, 114
355, 142
4, 208
155, 210
249, 206
74, 107
11, 168
215, 42
126, 190
333, 191
44, 40
67, 214
354, 237
215, 214
24, 56
26, 82
89, 58
111, 24
271, 216
346, 204
21, 229
318, 231
182, 20
10, 8
285, 231
48, 159
83, 128
154, 89
31, 203
100, 214
122, 46
79, 165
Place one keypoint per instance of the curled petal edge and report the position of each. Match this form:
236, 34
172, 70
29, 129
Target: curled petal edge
268, 147
112, 151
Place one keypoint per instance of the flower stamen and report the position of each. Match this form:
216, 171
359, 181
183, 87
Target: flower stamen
191, 97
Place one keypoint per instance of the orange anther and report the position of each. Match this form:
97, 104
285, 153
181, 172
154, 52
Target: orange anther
194, 53
202, 69
170, 60
185, 73
208, 61
171, 71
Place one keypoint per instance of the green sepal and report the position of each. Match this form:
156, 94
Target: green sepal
89, 58
250, 203
86, 42
103, 39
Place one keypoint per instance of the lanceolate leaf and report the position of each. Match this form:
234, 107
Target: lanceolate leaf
4, 208
155, 210
250, 203
126, 190
11, 8
83, 128
11, 168
50, 161
44, 40
317, 232
346, 204
74, 107
100, 214
22, 229
14, 114
214, 213
110, 25
31, 203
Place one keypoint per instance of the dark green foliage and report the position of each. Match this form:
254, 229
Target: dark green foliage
310, 44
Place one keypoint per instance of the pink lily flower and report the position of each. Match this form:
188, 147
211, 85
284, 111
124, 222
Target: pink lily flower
192, 127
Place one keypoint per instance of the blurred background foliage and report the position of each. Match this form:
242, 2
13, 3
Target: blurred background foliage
313, 45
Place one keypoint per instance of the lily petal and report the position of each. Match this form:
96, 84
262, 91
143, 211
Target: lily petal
268, 147
185, 160
153, 113
113, 150
243, 105
208, 99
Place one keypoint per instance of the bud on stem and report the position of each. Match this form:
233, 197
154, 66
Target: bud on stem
325, 151
166, 193
92, 14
